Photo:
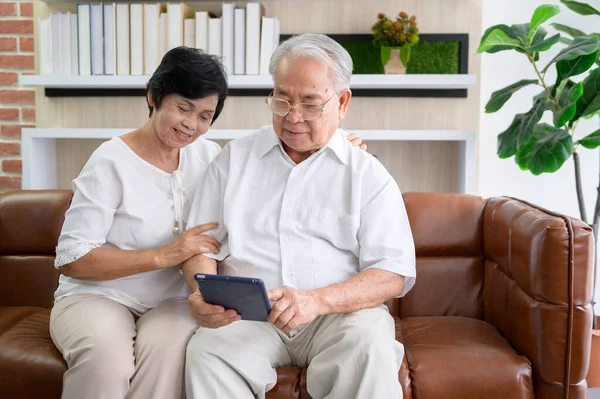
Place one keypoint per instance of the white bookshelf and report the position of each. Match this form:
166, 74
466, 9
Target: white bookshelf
38, 148
423, 82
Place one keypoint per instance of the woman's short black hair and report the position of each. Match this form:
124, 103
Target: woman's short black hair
191, 73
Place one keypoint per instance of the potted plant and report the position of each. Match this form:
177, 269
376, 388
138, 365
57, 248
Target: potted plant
542, 147
395, 38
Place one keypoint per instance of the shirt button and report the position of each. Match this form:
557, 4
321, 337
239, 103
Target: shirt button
340, 218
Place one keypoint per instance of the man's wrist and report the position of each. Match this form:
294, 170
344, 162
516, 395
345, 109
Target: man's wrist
322, 303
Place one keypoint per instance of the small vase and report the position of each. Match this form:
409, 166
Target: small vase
390, 58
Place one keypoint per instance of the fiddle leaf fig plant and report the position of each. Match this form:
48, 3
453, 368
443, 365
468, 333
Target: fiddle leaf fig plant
541, 147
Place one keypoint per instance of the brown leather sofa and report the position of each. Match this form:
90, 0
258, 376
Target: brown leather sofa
501, 307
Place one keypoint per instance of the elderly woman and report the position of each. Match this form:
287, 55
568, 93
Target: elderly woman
121, 318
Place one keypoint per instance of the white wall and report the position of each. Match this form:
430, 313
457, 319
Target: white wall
503, 177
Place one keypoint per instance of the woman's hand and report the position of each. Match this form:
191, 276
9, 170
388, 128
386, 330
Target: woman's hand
357, 141
190, 243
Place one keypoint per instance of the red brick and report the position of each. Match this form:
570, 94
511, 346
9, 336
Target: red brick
8, 43
17, 96
28, 114
26, 9
10, 148
12, 131
8, 9
26, 44
21, 26
17, 61
12, 165
9, 114
8, 78
10, 182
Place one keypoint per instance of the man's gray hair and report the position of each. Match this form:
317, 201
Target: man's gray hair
321, 48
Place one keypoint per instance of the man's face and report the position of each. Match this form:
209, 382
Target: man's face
307, 81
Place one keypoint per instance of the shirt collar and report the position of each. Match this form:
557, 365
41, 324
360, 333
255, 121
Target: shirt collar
337, 144
267, 141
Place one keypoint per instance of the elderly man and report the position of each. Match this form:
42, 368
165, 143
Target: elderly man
323, 224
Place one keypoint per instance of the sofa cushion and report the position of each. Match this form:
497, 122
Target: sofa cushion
30, 365
443, 350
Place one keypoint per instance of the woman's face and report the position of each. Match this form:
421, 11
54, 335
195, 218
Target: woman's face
180, 121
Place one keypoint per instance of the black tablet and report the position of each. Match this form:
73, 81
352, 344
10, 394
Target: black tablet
245, 295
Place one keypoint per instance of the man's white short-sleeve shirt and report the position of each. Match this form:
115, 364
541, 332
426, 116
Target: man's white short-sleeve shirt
304, 225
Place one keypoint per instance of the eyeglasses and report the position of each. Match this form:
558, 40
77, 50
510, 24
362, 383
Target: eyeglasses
308, 112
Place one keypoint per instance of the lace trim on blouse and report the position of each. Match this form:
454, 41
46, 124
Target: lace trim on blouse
70, 253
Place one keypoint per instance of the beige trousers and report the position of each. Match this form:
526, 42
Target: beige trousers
348, 356
114, 353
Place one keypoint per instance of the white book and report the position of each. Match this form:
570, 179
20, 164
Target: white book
97, 39
45, 35
74, 46
189, 32
162, 39
123, 55
227, 37
152, 36
214, 36
57, 68
266, 44
239, 41
84, 39
65, 46
202, 30
137, 39
110, 39
177, 13
254, 12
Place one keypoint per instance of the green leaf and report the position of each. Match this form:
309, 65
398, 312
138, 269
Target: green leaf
573, 32
589, 102
544, 45
506, 29
501, 96
568, 103
497, 38
541, 15
546, 150
580, 46
520, 31
581, 8
567, 68
591, 141
405, 55
566, 41
530, 119
507, 140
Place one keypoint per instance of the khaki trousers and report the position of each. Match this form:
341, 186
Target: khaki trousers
114, 353
348, 356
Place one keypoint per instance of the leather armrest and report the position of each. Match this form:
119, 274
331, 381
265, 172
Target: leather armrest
538, 276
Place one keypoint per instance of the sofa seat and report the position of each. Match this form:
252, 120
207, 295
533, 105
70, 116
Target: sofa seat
30, 365
443, 350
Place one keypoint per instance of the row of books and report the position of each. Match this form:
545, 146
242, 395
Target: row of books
131, 39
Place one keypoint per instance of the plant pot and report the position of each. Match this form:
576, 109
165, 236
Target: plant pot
593, 376
391, 60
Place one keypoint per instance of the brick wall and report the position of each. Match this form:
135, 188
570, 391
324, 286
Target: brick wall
17, 105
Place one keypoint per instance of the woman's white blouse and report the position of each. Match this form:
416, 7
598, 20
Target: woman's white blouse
122, 201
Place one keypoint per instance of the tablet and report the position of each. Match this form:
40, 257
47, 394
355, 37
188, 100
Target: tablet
245, 295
